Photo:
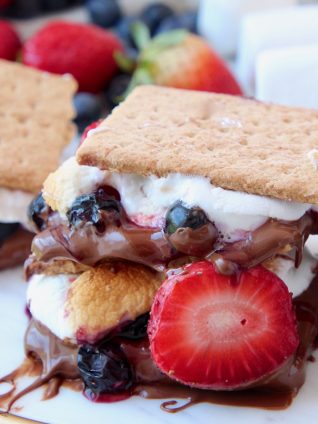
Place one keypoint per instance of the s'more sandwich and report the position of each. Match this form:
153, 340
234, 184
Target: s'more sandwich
35, 126
173, 261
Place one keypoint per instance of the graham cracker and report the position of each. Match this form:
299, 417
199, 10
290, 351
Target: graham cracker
35, 124
238, 143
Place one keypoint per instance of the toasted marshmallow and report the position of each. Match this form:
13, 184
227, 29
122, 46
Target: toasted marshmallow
85, 307
69, 181
231, 211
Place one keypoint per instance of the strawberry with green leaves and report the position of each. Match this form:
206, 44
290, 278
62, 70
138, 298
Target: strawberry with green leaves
177, 59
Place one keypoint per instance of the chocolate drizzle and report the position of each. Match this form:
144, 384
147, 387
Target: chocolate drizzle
46, 356
56, 364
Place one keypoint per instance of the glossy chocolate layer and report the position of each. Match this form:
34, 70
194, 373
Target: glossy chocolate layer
150, 246
86, 245
59, 362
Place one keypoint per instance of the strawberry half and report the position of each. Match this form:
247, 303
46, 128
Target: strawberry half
220, 332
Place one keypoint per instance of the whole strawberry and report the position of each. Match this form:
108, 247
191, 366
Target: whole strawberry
179, 59
10, 42
85, 51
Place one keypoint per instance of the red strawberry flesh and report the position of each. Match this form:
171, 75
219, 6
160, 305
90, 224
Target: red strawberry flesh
219, 332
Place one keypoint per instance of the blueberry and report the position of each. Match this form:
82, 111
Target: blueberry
24, 9
104, 368
104, 13
153, 14
136, 329
116, 89
98, 208
38, 212
179, 216
6, 230
123, 30
88, 109
187, 20
52, 5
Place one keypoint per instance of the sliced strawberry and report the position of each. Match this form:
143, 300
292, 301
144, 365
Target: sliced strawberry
219, 332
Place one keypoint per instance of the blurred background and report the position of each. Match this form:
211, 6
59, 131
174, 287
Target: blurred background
267, 49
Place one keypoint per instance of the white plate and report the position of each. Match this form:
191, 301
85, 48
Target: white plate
71, 407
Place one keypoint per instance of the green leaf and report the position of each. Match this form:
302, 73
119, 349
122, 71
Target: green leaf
140, 34
125, 63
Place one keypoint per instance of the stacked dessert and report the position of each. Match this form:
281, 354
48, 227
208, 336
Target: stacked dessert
194, 207
35, 114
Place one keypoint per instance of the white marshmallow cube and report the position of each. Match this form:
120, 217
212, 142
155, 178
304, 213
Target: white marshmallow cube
219, 20
288, 76
291, 26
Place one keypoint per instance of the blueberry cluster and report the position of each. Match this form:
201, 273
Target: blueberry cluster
104, 368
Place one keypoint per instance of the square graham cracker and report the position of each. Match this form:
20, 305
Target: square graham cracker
238, 143
35, 124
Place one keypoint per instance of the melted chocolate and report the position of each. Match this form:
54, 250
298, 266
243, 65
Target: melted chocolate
198, 242
151, 247
59, 363
270, 239
53, 360
86, 245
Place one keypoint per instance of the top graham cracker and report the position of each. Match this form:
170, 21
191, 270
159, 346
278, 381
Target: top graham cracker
238, 143
35, 124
